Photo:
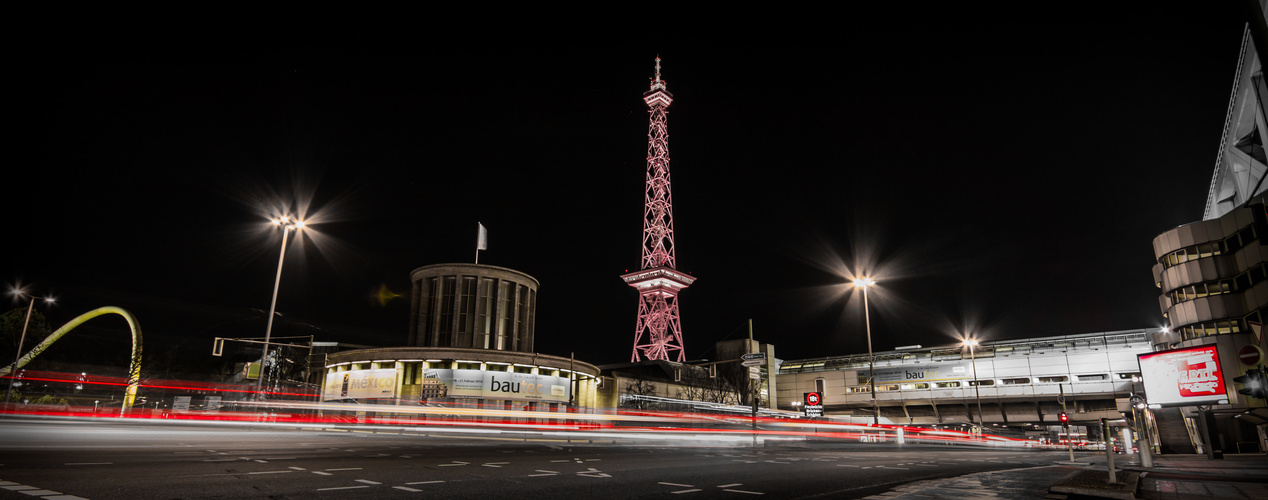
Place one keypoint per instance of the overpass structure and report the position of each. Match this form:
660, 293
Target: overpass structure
1003, 382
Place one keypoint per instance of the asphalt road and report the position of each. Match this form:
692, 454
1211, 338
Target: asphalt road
63, 460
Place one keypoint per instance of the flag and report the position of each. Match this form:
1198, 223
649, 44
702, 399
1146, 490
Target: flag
482, 241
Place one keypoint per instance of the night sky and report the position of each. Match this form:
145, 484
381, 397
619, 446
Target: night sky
997, 172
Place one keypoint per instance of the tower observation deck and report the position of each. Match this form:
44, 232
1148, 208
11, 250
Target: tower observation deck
658, 333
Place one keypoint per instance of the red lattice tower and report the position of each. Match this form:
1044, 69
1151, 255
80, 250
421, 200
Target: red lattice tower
658, 334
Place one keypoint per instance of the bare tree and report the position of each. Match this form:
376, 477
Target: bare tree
639, 388
697, 385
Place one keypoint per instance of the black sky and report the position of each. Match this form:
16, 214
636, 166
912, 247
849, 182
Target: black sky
1000, 172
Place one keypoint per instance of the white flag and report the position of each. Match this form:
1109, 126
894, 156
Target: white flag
482, 241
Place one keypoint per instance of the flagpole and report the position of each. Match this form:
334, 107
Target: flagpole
481, 240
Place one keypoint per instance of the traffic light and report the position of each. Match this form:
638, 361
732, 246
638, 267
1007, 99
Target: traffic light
1254, 383
1064, 418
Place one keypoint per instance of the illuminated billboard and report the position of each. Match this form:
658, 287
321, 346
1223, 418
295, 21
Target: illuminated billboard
360, 384
500, 385
1183, 377
923, 373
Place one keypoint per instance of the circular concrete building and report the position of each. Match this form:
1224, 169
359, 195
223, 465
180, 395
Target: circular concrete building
472, 306
470, 344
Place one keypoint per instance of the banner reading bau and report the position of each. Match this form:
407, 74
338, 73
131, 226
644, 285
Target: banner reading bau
923, 373
360, 384
500, 385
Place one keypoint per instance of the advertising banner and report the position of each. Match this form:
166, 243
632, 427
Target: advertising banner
923, 373
1183, 377
360, 384
500, 385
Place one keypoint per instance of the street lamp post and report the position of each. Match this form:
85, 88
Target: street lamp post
21, 340
287, 224
977, 391
866, 283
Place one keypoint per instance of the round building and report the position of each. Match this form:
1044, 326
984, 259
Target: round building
470, 344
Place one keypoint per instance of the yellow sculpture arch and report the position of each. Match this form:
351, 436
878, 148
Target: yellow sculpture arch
134, 370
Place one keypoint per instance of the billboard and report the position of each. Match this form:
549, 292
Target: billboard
360, 384
500, 385
1183, 377
923, 373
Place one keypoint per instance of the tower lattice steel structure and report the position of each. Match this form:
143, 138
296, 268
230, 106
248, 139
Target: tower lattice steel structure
658, 333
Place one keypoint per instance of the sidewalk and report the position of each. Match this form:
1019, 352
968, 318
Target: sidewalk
1171, 477
1193, 476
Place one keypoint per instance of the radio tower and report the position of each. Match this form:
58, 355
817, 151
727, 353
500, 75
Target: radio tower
658, 333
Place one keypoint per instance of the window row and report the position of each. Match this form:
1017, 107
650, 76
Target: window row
953, 384
1228, 245
1239, 283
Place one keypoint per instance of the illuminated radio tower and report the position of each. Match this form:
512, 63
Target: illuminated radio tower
658, 334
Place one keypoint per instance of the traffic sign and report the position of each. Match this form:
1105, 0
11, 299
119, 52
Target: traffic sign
1250, 355
753, 362
753, 355
754, 372
813, 404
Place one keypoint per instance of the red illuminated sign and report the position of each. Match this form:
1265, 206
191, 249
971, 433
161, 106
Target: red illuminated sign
1181, 377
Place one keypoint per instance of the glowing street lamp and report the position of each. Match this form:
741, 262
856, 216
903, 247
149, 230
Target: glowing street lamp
970, 343
18, 293
866, 283
287, 224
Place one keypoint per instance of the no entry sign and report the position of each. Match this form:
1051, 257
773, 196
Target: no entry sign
1249, 355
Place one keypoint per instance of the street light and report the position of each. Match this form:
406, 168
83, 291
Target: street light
18, 293
287, 224
977, 390
866, 283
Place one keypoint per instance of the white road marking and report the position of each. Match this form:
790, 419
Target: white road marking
19, 487
342, 488
676, 484
729, 485
745, 492
271, 472
455, 464
407, 488
686, 491
367, 481
425, 482
322, 473
593, 472
347, 468
496, 465
298, 468
846, 465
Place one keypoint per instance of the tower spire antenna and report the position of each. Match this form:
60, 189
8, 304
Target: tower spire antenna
657, 83
658, 332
